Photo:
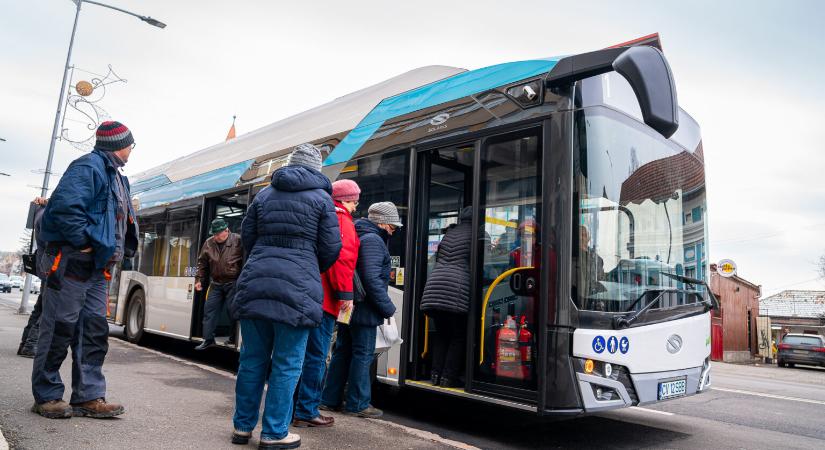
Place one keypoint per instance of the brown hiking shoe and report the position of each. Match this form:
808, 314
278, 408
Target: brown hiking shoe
54, 409
97, 409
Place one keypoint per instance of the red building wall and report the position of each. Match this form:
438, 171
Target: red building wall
737, 298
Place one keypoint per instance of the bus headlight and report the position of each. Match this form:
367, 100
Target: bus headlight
608, 370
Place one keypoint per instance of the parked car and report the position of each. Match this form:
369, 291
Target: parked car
16, 281
5, 283
808, 349
35, 289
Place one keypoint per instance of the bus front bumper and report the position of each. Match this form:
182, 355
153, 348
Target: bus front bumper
600, 393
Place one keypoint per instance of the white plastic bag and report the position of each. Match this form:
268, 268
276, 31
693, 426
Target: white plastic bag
387, 336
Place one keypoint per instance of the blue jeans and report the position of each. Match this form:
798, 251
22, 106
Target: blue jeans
351, 362
74, 316
284, 346
315, 367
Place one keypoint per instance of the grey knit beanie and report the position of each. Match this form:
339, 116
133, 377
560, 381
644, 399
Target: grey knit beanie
384, 212
306, 155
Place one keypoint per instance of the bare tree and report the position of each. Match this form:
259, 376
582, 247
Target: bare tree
821, 267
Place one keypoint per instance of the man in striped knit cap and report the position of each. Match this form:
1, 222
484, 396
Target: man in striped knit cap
89, 227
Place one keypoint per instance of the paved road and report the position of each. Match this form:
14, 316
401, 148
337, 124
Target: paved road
749, 407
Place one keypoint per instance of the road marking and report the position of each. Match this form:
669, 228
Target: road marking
664, 413
780, 397
427, 435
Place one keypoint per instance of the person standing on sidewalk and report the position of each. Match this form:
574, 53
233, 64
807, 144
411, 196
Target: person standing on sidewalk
220, 260
338, 295
89, 226
355, 343
28, 342
291, 235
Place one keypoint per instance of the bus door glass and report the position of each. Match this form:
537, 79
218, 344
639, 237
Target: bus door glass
446, 176
508, 263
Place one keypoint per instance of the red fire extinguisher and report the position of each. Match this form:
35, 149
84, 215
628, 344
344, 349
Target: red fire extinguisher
525, 346
507, 363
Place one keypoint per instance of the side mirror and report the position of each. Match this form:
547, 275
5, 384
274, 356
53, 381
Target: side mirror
645, 69
648, 73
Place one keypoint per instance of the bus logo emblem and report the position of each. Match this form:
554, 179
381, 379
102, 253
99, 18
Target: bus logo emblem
674, 343
439, 119
598, 344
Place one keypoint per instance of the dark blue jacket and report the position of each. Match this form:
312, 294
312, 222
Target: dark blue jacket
374, 270
81, 211
291, 235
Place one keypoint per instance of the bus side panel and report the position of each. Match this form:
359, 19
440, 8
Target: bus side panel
169, 305
392, 358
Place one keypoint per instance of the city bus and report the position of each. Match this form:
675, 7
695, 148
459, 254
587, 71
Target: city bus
587, 187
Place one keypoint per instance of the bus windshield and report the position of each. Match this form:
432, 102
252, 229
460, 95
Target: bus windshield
640, 207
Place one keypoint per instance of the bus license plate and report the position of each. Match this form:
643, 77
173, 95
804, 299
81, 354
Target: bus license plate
671, 389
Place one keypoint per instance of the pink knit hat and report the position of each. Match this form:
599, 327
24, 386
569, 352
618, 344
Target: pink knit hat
345, 191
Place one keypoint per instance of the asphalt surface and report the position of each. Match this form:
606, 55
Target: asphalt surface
185, 402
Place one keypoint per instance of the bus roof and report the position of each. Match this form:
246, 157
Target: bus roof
339, 115
354, 117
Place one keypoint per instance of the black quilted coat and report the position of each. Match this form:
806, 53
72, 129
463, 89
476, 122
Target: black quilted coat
448, 288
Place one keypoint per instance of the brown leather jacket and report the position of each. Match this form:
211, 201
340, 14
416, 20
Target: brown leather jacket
221, 263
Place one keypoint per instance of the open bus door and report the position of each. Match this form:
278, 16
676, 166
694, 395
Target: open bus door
500, 178
230, 205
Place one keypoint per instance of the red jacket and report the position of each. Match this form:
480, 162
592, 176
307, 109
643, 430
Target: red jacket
337, 281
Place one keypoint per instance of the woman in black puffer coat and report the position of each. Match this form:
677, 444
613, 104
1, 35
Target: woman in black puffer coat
446, 300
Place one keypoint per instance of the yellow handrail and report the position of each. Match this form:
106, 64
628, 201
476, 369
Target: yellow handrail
487, 299
426, 335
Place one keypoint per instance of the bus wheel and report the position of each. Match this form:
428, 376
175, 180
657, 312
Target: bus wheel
135, 314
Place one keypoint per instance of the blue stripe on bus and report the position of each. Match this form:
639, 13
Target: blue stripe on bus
205, 183
447, 90
149, 183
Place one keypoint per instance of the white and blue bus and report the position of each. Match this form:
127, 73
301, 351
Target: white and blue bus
587, 186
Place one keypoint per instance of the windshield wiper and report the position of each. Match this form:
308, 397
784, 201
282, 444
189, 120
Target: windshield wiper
627, 320
620, 322
712, 304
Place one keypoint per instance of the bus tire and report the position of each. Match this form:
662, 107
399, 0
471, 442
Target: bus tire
135, 317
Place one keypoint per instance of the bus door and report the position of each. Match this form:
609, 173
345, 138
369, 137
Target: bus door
231, 206
446, 181
507, 303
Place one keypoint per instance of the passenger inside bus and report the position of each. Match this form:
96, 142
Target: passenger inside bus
589, 269
446, 300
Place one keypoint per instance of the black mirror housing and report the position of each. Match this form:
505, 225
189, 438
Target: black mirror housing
645, 69
648, 73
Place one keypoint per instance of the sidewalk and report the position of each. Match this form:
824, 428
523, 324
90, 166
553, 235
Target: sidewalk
170, 403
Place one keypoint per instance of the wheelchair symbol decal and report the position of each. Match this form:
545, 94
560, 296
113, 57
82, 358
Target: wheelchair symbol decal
598, 344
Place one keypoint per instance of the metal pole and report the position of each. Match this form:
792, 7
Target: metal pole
24, 302
44, 191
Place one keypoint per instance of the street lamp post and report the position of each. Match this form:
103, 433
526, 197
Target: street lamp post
45, 188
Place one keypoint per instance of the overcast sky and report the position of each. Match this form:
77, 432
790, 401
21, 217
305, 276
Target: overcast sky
749, 72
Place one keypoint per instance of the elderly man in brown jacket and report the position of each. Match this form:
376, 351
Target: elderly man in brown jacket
220, 260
